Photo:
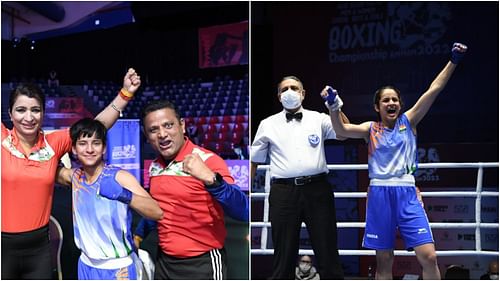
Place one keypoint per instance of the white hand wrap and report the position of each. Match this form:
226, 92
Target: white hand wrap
337, 105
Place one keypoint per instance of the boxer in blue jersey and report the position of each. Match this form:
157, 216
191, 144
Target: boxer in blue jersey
392, 201
103, 196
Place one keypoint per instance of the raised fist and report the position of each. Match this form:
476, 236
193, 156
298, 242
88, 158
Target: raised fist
457, 52
332, 99
131, 81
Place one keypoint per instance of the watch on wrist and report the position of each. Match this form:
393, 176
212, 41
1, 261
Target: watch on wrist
218, 181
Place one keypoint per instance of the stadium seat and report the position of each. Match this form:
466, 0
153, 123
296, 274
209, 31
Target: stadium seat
208, 137
228, 119
240, 119
213, 120
201, 120
218, 148
203, 112
227, 112
228, 147
238, 127
188, 120
236, 137
241, 111
224, 128
211, 129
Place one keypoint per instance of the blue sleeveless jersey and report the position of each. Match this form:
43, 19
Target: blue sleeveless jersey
392, 152
102, 227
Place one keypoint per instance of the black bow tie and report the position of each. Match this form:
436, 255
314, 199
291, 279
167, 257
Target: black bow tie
290, 116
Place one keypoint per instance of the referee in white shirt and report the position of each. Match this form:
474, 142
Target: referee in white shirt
293, 141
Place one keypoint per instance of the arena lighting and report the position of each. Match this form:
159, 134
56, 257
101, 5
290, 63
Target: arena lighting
32, 46
97, 22
15, 42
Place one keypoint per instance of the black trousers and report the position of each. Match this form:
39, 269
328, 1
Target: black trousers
211, 265
26, 255
289, 206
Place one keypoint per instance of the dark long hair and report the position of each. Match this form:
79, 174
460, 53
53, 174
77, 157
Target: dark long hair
31, 91
376, 97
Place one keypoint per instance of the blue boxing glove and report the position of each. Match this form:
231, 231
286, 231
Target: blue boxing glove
116, 192
332, 95
457, 52
332, 99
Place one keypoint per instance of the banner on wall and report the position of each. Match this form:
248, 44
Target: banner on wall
63, 112
123, 147
377, 31
240, 172
147, 163
223, 45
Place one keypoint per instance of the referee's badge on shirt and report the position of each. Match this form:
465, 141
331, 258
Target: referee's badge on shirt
313, 139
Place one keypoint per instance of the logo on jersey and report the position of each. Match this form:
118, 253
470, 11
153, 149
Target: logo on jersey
422, 231
313, 139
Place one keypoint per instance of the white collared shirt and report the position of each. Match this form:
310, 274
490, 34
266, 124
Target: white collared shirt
295, 148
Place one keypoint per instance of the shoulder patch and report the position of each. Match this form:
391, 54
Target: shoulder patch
175, 167
203, 155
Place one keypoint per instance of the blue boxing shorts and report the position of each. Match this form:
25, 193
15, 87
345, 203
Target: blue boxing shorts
395, 207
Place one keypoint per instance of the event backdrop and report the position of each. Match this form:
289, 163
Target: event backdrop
123, 147
357, 47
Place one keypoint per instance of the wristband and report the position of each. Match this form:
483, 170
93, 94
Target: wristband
126, 95
337, 105
456, 55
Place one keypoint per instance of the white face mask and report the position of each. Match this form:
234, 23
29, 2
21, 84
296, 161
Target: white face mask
304, 267
493, 276
291, 99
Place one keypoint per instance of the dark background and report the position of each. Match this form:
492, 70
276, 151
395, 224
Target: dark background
292, 39
162, 44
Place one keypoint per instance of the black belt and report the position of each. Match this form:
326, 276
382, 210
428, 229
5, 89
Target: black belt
300, 180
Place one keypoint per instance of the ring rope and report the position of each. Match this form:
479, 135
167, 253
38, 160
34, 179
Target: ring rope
477, 225
450, 253
440, 225
424, 194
